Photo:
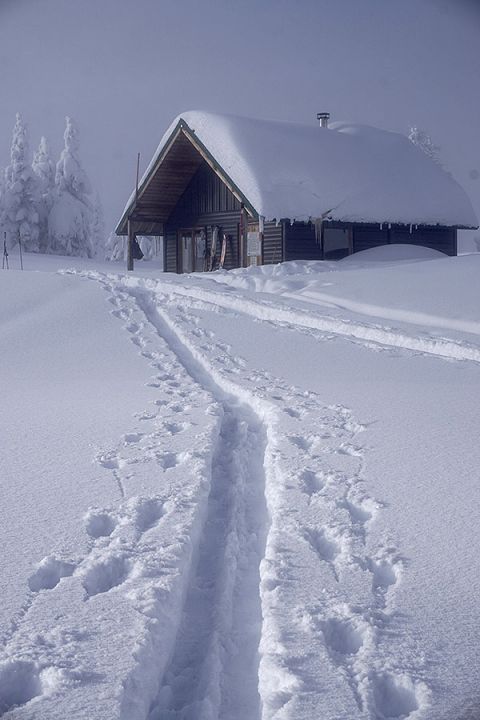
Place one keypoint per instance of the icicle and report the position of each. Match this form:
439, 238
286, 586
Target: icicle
389, 226
381, 226
261, 224
318, 230
410, 228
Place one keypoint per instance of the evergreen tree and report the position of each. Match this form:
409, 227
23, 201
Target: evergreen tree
115, 247
21, 194
44, 169
98, 226
70, 219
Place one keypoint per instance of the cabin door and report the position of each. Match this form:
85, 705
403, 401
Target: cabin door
193, 245
186, 244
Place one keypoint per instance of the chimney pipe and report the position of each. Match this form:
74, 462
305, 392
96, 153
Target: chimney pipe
323, 119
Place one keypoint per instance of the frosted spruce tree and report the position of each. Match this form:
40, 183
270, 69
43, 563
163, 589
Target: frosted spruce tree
21, 194
44, 169
98, 226
115, 247
423, 141
70, 219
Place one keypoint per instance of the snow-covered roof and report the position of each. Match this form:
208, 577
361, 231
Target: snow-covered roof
347, 172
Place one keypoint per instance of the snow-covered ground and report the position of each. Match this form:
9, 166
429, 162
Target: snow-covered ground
246, 495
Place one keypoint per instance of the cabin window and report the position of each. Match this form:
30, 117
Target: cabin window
336, 243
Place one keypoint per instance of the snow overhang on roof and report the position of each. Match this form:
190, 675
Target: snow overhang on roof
350, 173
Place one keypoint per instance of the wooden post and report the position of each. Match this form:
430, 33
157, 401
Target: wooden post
131, 237
131, 234
243, 236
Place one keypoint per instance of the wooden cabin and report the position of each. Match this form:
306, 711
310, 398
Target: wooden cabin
232, 192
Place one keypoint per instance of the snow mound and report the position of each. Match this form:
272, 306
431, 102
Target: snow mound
393, 253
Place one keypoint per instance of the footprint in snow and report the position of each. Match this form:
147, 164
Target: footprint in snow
385, 572
343, 636
301, 442
360, 512
395, 696
148, 512
105, 574
22, 681
311, 482
99, 523
169, 460
49, 572
173, 428
324, 546
110, 461
132, 438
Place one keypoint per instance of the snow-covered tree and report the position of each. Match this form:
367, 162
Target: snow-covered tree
115, 247
44, 169
98, 226
423, 141
70, 219
21, 194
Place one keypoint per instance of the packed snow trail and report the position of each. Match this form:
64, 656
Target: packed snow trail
349, 631
214, 668
298, 317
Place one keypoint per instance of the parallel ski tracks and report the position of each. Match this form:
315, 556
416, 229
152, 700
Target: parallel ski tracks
214, 667
368, 333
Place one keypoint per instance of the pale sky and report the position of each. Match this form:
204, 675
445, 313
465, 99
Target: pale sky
123, 69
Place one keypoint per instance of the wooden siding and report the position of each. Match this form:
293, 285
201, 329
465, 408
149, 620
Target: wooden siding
300, 242
438, 238
206, 203
206, 194
273, 243
369, 236
170, 252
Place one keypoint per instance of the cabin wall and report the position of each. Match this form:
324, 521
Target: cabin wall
300, 242
438, 238
207, 202
170, 251
273, 243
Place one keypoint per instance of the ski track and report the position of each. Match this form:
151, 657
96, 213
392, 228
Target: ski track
329, 466
254, 638
372, 335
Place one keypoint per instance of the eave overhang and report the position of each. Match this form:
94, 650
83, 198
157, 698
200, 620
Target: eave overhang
166, 180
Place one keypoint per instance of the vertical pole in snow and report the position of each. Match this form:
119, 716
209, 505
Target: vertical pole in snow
131, 235
130, 245
20, 248
5, 253
243, 236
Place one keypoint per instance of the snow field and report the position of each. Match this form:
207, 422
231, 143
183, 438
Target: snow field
365, 332
254, 547
319, 513
125, 595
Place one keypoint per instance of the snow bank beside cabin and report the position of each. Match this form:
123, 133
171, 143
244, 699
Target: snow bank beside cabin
425, 287
345, 172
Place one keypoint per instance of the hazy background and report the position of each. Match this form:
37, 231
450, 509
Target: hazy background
124, 68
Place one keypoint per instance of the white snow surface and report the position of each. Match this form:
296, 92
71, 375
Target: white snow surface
245, 495
346, 172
